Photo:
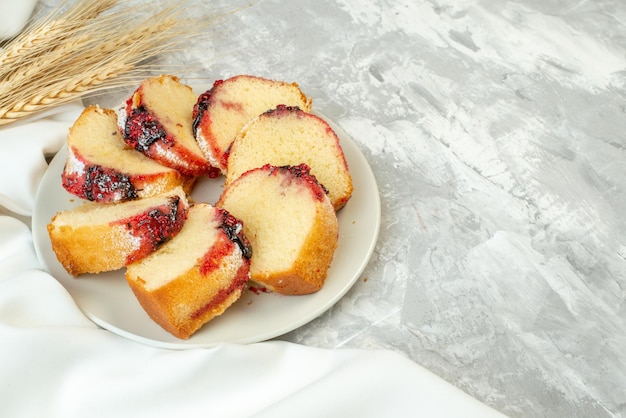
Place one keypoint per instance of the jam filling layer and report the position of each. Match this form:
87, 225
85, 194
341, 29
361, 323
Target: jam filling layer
301, 171
224, 245
202, 104
142, 130
238, 283
233, 228
98, 183
154, 227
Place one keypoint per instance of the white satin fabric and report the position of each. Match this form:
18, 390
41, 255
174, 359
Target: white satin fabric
54, 362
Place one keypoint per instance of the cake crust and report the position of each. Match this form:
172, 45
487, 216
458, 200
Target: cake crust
309, 272
79, 253
161, 304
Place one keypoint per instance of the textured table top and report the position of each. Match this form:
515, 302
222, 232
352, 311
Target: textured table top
496, 131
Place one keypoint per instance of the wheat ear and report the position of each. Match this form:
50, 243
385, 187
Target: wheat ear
50, 31
95, 46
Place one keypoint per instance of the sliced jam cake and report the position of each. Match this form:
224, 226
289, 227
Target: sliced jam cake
157, 121
291, 225
222, 111
197, 275
100, 167
98, 237
290, 136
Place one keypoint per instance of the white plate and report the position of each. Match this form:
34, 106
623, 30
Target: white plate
107, 300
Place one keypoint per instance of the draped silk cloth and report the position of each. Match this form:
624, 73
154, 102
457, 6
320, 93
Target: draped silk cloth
54, 362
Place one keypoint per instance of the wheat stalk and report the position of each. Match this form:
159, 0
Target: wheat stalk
50, 31
88, 46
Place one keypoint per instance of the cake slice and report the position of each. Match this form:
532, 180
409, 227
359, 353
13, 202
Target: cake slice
157, 121
101, 168
290, 136
291, 225
98, 237
197, 275
223, 110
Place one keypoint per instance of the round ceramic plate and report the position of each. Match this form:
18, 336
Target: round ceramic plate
107, 300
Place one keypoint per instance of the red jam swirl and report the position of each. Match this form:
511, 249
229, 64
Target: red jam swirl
233, 235
211, 260
303, 172
238, 283
284, 109
97, 183
233, 228
143, 132
258, 290
155, 227
202, 104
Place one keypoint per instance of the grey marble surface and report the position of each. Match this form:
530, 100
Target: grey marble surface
496, 131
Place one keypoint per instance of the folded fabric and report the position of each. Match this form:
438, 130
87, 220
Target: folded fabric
57, 363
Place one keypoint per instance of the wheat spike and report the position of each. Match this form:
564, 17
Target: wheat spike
50, 31
86, 46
